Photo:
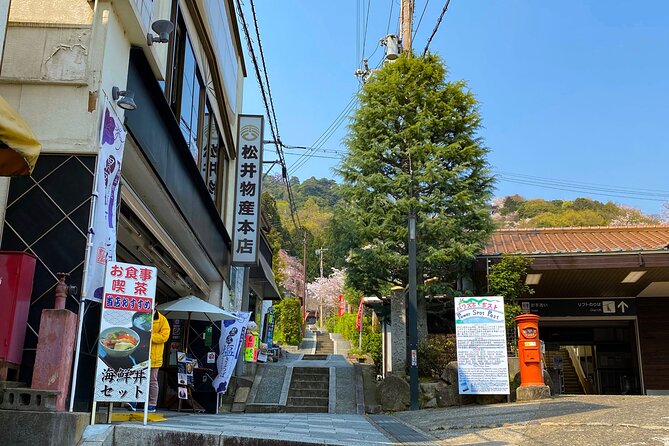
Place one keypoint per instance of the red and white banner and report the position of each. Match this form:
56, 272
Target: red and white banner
358, 321
342, 305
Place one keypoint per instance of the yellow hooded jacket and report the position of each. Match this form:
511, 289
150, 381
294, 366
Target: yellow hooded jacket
159, 336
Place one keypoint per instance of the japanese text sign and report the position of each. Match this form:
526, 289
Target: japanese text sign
480, 333
123, 364
246, 229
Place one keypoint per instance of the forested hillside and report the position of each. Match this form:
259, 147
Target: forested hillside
516, 211
319, 204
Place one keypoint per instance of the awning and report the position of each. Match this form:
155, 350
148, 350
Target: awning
264, 277
19, 148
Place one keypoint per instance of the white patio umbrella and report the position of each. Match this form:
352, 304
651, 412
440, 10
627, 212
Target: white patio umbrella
192, 308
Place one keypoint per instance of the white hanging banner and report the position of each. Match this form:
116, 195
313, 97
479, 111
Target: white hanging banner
233, 332
122, 372
480, 330
102, 231
246, 230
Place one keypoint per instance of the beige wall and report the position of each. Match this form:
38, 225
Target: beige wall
52, 11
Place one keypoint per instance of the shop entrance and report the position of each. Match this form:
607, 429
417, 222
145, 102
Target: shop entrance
592, 356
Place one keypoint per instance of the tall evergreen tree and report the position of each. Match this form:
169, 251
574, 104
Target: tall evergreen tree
413, 145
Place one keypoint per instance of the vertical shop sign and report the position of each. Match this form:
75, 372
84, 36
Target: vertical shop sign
246, 229
102, 231
480, 333
122, 372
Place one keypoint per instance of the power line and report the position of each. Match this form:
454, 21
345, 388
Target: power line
427, 2
364, 35
436, 27
269, 110
606, 191
390, 16
325, 135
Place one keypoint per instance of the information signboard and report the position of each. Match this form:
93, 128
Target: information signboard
480, 331
605, 307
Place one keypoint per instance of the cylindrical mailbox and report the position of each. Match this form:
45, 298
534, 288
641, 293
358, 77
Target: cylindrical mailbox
529, 350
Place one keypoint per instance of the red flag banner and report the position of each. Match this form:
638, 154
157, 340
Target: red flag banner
342, 305
358, 321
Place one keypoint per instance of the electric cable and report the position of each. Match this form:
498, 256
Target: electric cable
436, 27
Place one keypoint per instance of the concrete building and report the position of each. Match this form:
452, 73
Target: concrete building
62, 62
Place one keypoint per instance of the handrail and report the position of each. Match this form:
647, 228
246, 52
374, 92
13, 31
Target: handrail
576, 362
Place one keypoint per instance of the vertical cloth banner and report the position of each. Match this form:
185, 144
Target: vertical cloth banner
233, 332
102, 230
122, 372
358, 320
483, 367
342, 305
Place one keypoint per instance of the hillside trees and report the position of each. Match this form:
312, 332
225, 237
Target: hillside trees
413, 145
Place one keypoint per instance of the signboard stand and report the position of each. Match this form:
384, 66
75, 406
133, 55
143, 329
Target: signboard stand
483, 367
124, 347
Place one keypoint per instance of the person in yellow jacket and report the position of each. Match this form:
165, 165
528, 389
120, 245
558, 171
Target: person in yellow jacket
160, 334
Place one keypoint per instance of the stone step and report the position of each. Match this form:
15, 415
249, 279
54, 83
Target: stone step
317, 371
314, 357
264, 408
311, 378
307, 401
307, 409
305, 393
309, 385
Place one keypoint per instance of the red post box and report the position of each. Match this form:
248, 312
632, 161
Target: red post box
529, 350
16, 283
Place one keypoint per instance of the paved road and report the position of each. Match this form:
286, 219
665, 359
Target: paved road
567, 420
319, 429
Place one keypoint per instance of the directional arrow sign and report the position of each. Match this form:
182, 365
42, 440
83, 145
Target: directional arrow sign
623, 306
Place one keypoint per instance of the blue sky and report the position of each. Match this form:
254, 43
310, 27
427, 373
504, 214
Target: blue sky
574, 94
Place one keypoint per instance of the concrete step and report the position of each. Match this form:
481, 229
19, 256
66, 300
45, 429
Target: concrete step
264, 408
311, 378
307, 401
311, 370
309, 385
306, 409
306, 393
319, 357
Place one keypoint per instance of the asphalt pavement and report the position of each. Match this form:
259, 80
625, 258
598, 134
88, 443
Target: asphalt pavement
566, 420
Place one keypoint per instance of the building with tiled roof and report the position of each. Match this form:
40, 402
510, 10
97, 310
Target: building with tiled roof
602, 292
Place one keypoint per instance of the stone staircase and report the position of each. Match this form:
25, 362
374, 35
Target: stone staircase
572, 385
309, 390
324, 345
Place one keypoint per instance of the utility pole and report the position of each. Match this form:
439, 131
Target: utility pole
319, 252
304, 272
406, 17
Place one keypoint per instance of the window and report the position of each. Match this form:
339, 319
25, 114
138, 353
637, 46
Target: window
186, 93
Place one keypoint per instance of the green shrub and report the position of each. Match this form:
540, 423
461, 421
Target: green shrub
371, 341
289, 323
434, 354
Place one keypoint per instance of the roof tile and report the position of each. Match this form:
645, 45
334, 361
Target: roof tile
578, 240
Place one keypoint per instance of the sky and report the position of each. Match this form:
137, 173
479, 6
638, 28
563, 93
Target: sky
574, 94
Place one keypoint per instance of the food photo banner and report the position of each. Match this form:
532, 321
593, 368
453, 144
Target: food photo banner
122, 372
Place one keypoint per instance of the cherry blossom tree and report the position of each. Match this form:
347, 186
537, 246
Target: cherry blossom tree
326, 290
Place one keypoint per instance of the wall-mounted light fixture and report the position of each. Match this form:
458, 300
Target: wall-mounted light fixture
124, 99
163, 28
